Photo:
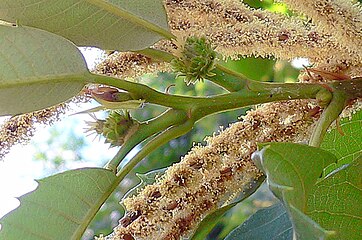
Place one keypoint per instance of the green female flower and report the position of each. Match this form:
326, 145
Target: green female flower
196, 60
116, 128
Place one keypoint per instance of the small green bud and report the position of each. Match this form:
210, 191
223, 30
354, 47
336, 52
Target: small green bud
196, 60
323, 97
116, 128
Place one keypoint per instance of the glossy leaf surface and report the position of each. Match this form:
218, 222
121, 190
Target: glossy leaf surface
268, 223
346, 147
335, 202
292, 170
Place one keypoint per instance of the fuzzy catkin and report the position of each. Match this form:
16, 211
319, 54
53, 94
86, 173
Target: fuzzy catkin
342, 18
129, 65
236, 29
20, 128
209, 175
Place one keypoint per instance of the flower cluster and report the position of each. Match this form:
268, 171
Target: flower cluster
210, 175
129, 65
341, 17
236, 29
20, 128
196, 60
116, 128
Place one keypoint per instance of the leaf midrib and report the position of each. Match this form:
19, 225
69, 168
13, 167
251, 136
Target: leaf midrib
119, 12
93, 211
71, 78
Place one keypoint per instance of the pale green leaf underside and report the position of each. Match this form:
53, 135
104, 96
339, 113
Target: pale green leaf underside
38, 69
347, 147
60, 208
336, 201
266, 224
292, 170
112, 24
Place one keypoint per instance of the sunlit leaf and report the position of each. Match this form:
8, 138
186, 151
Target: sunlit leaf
210, 221
292, 170
347, 147
61, 207
38, 69
107, 24
268, 223
335, 202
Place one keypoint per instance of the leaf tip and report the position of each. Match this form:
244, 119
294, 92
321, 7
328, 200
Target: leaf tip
257, 156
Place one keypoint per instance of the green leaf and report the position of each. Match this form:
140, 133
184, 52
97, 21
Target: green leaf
61, 207
335, 202
292, 170
113, 25
210, 221
268, 223
306, 228
348, 147
38, 69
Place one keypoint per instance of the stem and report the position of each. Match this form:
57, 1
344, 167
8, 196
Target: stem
146, 130
330, 114
158, 141
256, 94
351, 87
156, 54
140, 91
253, 93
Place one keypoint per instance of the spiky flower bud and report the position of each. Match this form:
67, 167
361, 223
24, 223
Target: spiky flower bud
196, 60
116, 128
